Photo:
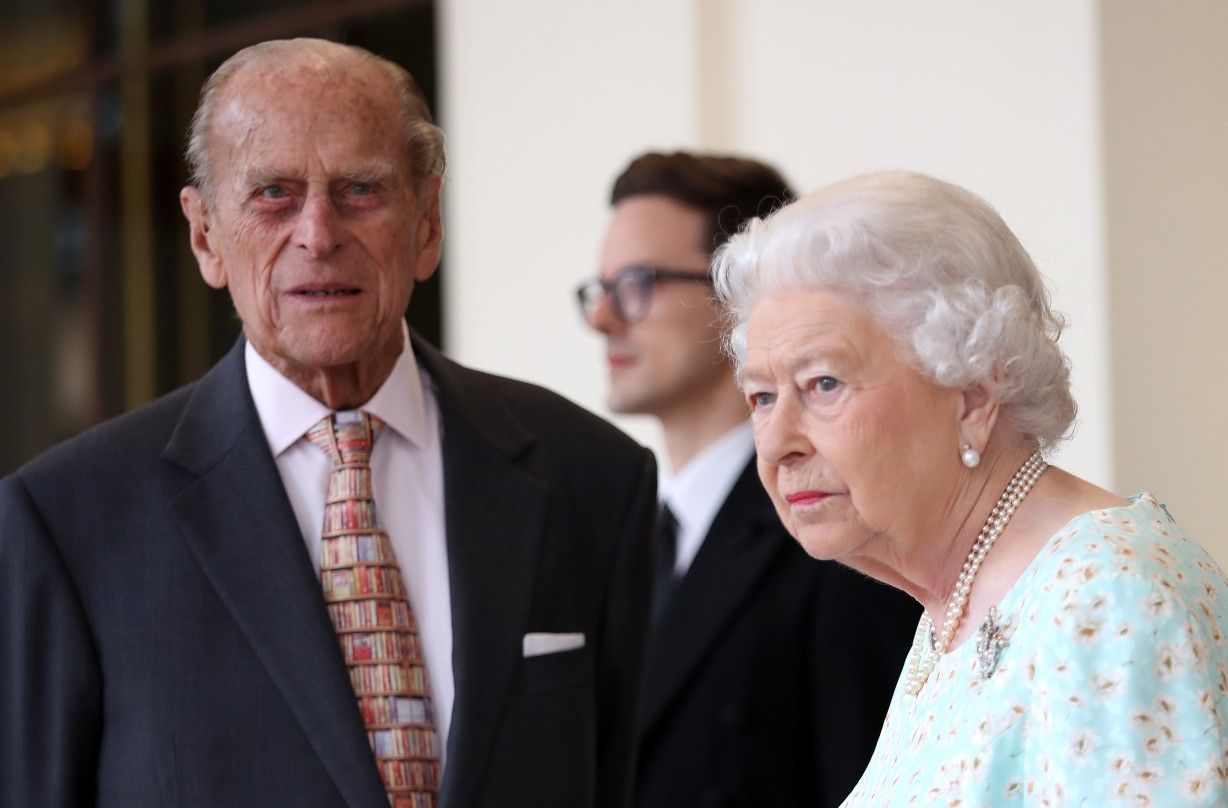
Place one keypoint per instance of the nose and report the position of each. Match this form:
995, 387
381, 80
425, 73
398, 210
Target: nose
319, 229
780, 434
603, 318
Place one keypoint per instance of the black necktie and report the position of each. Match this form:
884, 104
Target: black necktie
664, 579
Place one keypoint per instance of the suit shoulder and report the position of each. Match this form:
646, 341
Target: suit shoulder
123, 442
553, 417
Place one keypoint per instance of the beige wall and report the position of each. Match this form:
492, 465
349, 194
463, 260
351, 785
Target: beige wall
1165, 71
544, 102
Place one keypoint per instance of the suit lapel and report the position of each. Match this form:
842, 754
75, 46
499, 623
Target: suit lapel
238, 523
495, 514
734, 556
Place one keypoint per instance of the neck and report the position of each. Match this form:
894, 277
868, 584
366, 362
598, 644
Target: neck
938, 581
692, 427
342, 387
950, 600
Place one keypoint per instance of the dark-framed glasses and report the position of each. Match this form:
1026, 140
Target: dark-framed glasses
630, 290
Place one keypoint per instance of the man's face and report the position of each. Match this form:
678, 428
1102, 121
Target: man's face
671, 358
316, 226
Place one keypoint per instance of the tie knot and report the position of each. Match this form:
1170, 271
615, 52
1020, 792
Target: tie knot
346, 436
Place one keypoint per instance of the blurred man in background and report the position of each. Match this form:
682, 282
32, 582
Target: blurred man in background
769, 673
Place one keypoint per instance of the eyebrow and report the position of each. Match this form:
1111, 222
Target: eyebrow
376, 171
372, 172
836, 354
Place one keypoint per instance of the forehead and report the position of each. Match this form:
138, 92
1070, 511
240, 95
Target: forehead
654, 229
790, 327
284, 116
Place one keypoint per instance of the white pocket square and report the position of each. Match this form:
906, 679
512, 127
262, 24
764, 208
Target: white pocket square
537, 643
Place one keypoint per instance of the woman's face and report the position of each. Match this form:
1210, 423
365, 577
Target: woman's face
858, 451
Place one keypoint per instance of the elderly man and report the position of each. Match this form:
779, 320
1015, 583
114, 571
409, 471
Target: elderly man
768, 673
339, 570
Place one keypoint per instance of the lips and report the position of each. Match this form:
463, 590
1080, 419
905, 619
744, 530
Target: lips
806, 497
619, 357
324, 291
618, 361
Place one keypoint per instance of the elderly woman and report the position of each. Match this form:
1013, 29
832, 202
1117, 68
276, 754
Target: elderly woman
899, 355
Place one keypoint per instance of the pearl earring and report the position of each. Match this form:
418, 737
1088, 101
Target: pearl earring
970, 456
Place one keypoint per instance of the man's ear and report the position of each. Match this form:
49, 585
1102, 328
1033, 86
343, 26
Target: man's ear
211, 267
979, 409
428, 232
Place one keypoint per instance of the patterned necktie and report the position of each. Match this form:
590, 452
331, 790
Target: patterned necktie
373, 618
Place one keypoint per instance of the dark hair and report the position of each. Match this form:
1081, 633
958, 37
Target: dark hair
729, 190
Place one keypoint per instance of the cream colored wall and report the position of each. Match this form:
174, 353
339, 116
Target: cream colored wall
544, 102
1166, 157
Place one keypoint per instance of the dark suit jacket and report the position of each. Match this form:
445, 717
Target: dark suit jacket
164, 641
769, 673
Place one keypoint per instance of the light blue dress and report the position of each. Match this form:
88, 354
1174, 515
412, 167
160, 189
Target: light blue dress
1111, 688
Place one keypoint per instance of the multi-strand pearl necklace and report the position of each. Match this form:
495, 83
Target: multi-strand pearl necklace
925, 650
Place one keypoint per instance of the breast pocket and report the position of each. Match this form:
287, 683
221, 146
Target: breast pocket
557, 671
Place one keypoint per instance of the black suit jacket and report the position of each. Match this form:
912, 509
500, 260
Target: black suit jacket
769, 673
164, 641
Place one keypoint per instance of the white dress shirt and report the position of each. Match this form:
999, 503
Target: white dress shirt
407, 477
696, 492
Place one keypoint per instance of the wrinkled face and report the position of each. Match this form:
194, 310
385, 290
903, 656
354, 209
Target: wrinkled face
316, 227
857, 449
673, 355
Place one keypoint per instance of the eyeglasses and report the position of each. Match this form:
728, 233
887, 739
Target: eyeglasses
630, 290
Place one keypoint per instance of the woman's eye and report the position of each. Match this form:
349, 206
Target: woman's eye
361, 189
827, 384
758, 400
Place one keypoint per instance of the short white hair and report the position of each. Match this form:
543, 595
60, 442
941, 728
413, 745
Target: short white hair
424, 140
937, 269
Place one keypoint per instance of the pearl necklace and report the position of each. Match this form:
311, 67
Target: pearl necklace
925, 650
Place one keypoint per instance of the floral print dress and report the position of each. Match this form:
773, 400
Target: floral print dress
1111, 687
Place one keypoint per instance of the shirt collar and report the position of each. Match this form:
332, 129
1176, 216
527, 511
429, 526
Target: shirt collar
695, 493
287, 411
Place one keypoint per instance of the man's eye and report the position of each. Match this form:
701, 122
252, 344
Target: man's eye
274, 192
361, 189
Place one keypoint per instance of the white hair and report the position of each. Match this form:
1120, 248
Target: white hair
423, 138
936, 267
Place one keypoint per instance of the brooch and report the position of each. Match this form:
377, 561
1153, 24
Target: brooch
989, 641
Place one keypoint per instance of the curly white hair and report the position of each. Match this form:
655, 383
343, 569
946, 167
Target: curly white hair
936, 267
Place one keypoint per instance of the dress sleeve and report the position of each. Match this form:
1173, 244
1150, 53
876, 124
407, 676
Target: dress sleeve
1131, 694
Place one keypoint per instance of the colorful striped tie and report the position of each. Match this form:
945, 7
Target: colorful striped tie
373, 618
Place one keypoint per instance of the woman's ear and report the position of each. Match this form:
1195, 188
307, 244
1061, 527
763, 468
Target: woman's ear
211, 266
979, 407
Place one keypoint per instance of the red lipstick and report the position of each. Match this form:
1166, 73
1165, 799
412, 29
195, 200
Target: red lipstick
805, 497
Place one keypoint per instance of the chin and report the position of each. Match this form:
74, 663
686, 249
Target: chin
820, 544
318, 354
626, 402
331, 344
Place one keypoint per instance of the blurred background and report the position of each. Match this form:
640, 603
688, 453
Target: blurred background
1098, 129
